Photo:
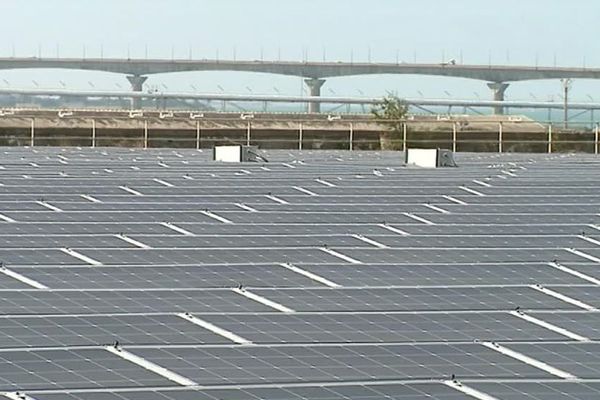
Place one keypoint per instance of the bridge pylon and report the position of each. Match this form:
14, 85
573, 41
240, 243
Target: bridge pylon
498, 89
314, 89
137, 85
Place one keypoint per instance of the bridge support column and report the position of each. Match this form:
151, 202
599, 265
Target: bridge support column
498, 89
314, 89
137, 85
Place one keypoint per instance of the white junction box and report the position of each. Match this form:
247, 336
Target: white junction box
228, 153
236, 153
430, 158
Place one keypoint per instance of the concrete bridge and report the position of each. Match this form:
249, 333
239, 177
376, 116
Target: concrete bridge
314, 73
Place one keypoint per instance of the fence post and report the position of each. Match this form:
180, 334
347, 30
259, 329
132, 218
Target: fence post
248, 130
93, 133
596, 134
500, 134
145, 134
300, 134
197, 135
350, 147
454, 137
404, 137
549, 138
32, 132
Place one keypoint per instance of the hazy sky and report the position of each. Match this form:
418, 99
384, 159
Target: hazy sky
477, 31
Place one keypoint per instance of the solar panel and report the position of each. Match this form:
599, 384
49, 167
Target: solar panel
542, 390
380, 327
158, 274
589, 294
410, 274
416, 299
63, 369
579, 359
359, 392
178, 276
128, 301
342, 362
97, 329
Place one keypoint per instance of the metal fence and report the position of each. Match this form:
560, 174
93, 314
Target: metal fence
316, 134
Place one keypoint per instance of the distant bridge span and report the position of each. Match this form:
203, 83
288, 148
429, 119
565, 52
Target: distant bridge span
311, 70
314, 72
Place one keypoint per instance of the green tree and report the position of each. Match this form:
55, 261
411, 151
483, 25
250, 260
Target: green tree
391, 113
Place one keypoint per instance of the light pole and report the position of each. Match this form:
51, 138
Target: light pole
566, 83
591, 111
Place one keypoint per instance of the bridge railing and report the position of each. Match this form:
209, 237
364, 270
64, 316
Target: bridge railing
480, 136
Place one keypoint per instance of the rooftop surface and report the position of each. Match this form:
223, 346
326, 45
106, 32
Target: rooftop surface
158, 274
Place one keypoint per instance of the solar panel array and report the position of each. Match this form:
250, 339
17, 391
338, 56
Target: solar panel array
158, 274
